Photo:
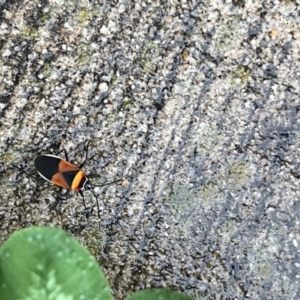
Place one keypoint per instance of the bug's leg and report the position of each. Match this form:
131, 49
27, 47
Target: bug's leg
60, 198
19, 168
30, 175
66, 195
22, 170
81, 194
88, 211
93, 175
65, 152
57, 204
35, 192
34, 177
98, 208
86, 155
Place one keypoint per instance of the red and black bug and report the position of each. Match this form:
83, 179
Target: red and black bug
64, 174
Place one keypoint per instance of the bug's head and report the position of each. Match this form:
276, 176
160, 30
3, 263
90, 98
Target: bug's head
88, 185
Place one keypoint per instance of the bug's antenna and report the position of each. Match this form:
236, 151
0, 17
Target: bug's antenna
107, 183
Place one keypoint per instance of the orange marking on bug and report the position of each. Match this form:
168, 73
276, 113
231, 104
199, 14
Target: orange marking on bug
76, 181
65, 166
59, 180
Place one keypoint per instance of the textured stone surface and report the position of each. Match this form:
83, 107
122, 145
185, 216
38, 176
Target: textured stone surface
196, 103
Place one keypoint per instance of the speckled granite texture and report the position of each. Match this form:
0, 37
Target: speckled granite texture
195, 103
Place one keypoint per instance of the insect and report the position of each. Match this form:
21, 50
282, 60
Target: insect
64, 174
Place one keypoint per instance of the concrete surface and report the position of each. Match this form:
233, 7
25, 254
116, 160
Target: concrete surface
194, 103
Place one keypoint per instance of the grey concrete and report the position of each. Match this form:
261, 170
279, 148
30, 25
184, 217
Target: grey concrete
195, 104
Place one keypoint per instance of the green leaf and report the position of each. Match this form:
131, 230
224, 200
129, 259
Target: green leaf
158, 294
46, 263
